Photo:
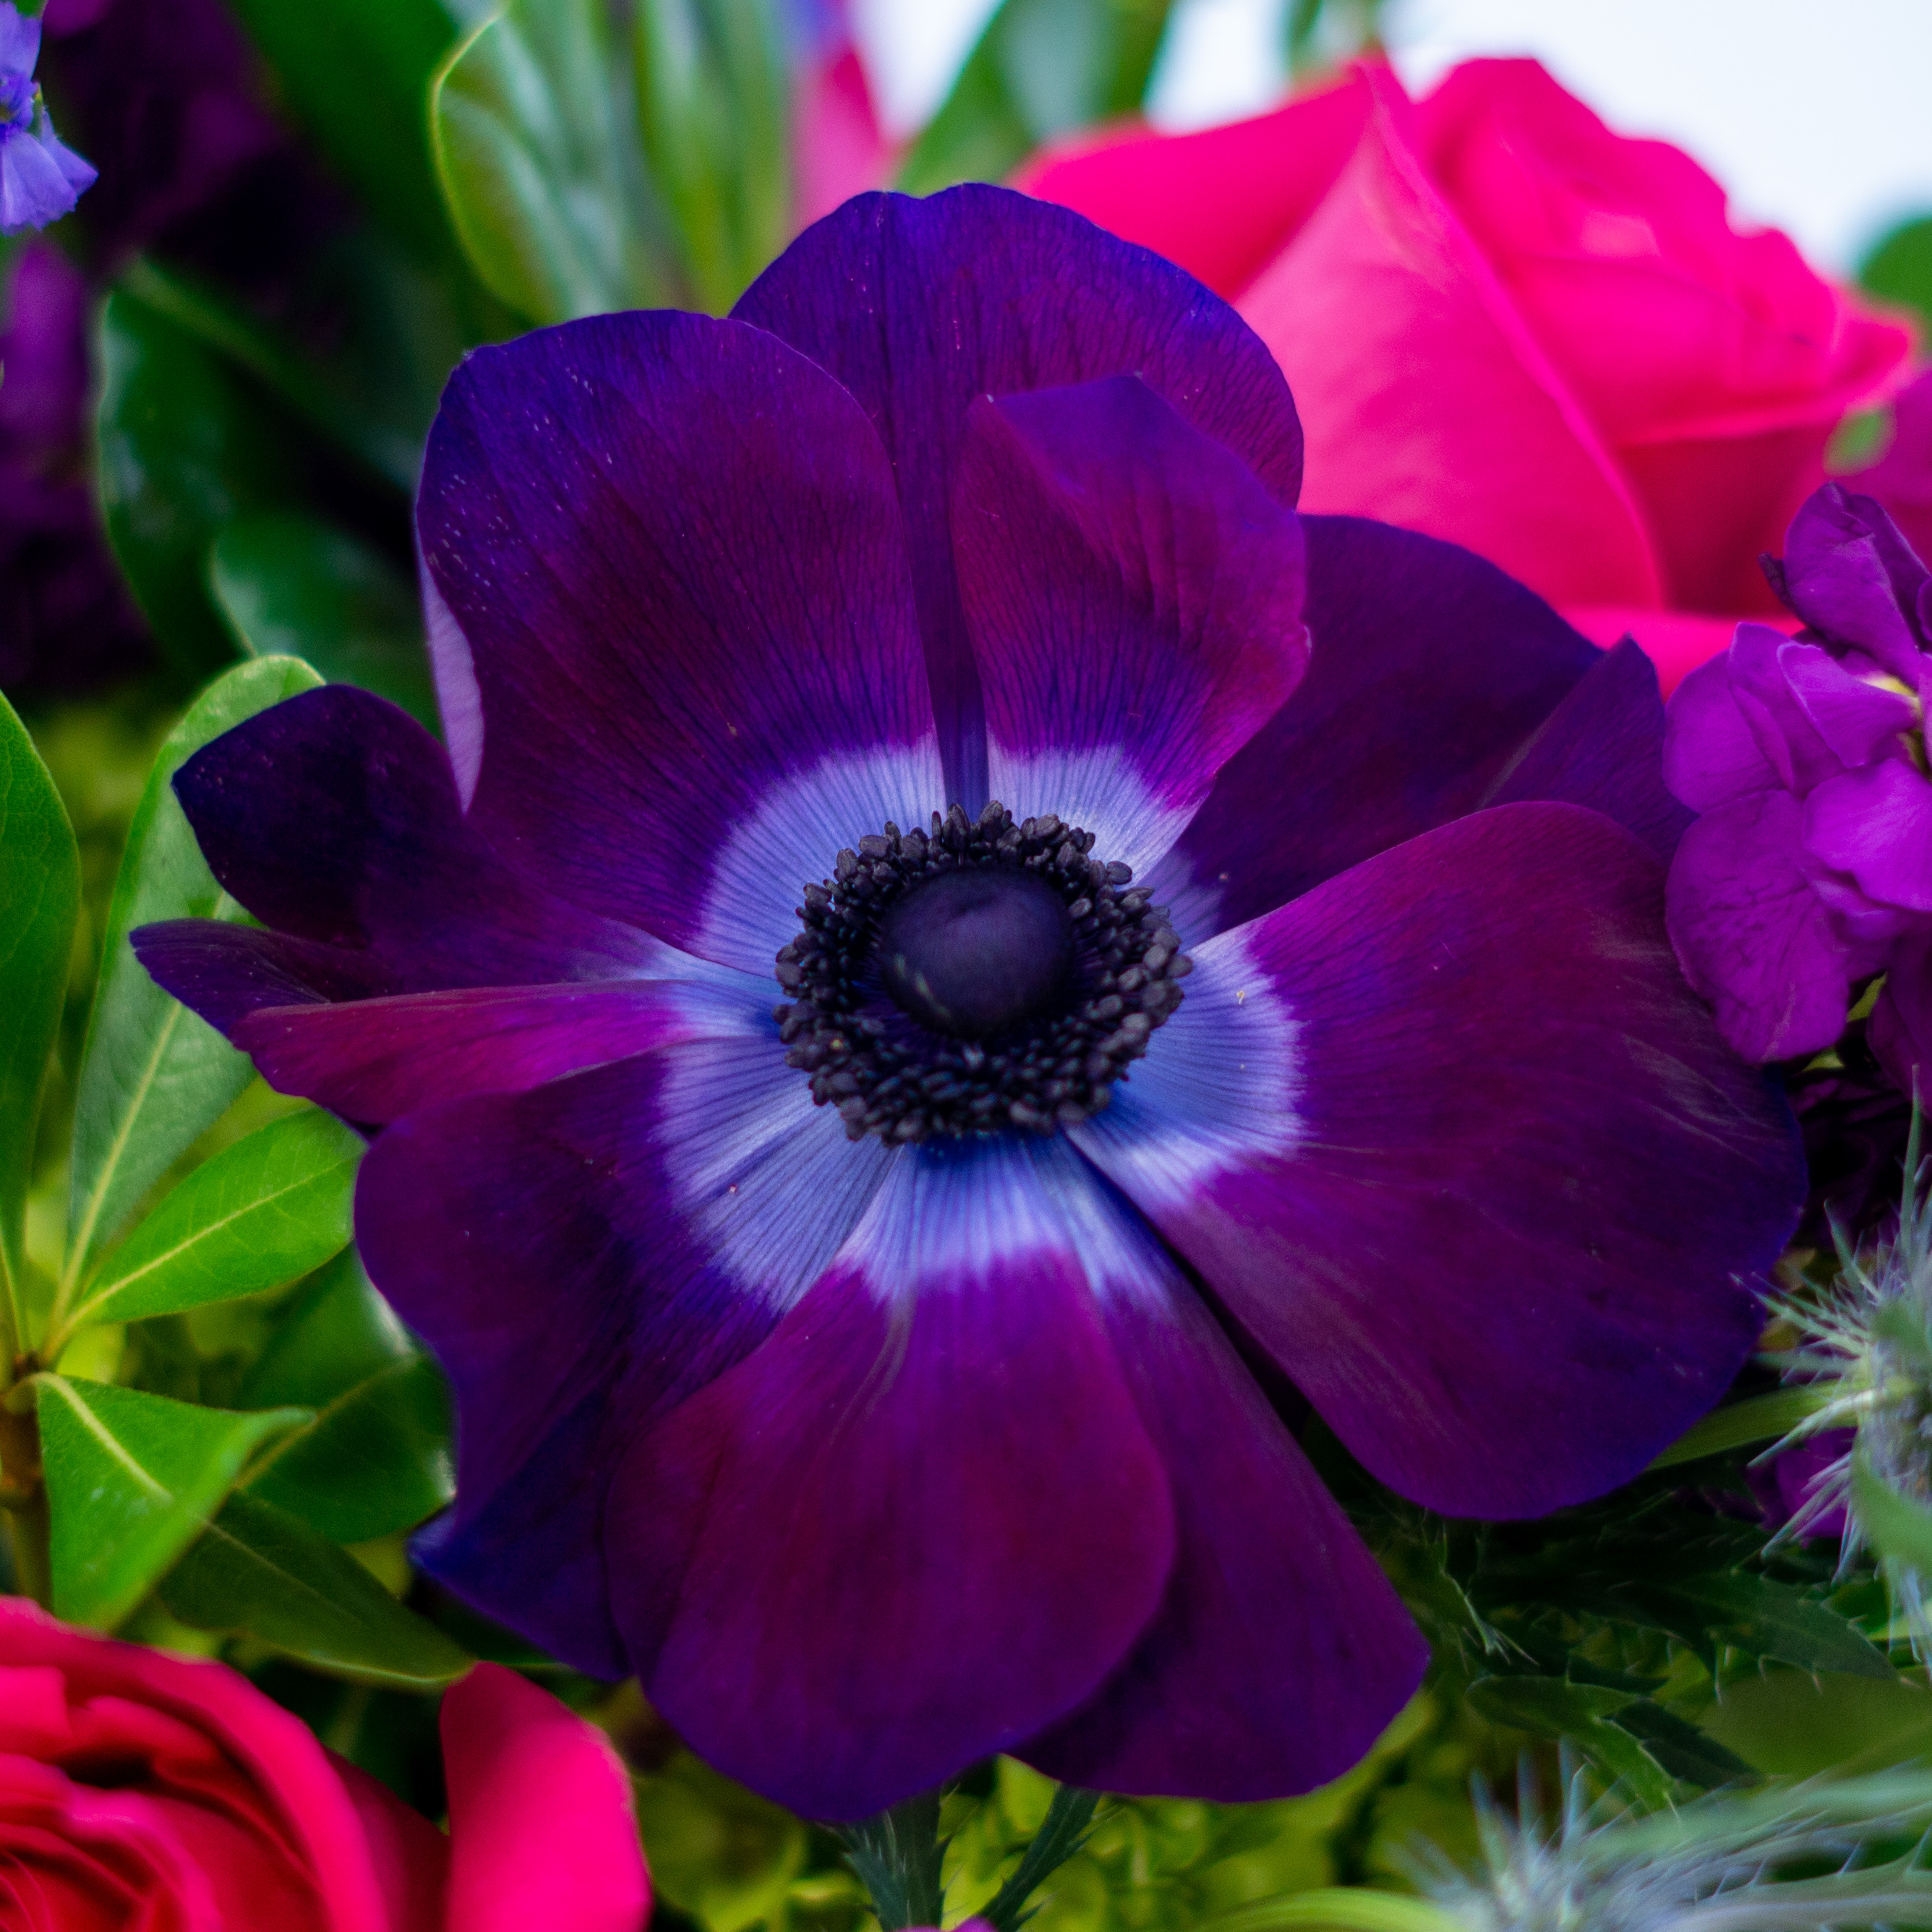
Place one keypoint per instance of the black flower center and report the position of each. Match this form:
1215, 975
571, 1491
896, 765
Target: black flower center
983, 976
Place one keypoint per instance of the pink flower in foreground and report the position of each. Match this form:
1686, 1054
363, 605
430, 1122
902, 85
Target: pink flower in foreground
1506, 326
142, 1790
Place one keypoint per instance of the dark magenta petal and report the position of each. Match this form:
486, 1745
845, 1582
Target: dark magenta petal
920, 308
1134, 598
1901, 1023
612, 1239
374, 1060
671, 561
1877, 825
1710, 754
224, 972
924, 1520
1754, 937
334, 819
1457, 1144
1280, 1652
1431, 670
1849, 574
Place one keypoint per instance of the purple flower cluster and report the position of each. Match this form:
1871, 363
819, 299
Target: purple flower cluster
964, 970
1810, 871
40, 179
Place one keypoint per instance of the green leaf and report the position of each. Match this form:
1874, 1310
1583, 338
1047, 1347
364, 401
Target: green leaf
293, 587
154, 1077
258, 1572
714, 94
358, 73
1897, 1528
1043, 68
537, 151
1551, 1707
1759, 1418
1899, 267
376, 1460
184, 447
261, 1214
131, 1478
40, 901
1680, 1746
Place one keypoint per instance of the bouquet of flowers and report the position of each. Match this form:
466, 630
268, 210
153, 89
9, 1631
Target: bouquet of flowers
1027, 1024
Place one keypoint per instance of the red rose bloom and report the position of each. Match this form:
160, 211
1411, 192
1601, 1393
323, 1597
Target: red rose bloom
1506, 326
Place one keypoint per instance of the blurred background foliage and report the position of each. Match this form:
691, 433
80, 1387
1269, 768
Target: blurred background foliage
219, 377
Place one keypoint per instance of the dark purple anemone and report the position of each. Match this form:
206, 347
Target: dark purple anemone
874, 1379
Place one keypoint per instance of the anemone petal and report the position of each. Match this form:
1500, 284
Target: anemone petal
919, 307
1497, 1207
921, 1522
670, 559
1430, 671
579, 1256
1280, 1651
1134, 598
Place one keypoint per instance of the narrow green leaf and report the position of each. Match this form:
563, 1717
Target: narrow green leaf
714, 106
258, 1572
131, 1478
1898, 1528
261, 1214
1043, 68
536, 148
183, 448
294, 586
154, 1077
1759, 1418
1583, 1713
376, 1458
39, 900
1683, 1749
358, 73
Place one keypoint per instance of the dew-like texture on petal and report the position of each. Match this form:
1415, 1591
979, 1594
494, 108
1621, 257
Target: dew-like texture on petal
1280, 1651
1877, 825
579, 1257
1524, 1178
1430, 671
920, 308
373, 1061
1134, 598
541, 1827
948, 1399
1753, 936
1849, 574
333, 818
673, 549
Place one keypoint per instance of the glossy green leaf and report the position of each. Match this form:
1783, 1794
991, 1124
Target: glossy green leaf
184, 447
358, 73
39, 900
376, 1458
1585, 1715
714, 95
260, 1572
1899, 267
1042, 68
536, 148
131, 1479
260, 1214
293, 587
154, 1077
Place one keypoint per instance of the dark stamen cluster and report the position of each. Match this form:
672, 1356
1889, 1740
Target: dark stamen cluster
888, 1074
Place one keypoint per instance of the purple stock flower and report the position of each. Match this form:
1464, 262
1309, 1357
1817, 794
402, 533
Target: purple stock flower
934, 1420
39, 179
1810, 868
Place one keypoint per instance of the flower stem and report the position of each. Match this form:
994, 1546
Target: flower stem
1062, 1833
1343, 1908
24, 1496
898, 1856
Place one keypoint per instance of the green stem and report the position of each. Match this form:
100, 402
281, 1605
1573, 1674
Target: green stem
24, 1497
1062, 1833
1344, 1908
897, 1855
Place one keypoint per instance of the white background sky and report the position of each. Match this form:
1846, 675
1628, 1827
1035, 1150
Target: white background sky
1816, 114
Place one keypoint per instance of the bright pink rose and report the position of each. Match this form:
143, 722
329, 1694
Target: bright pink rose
1505, 325
838, 149
144, 1792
